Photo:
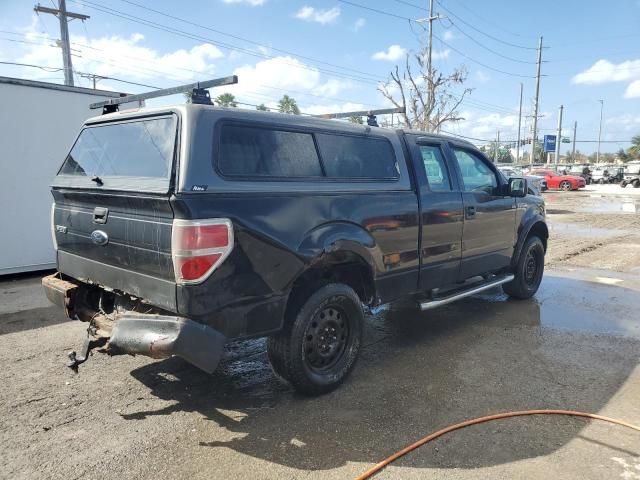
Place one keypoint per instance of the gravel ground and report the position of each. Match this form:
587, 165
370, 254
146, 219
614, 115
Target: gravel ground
575, 345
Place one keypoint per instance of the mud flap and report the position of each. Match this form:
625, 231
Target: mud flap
161, 336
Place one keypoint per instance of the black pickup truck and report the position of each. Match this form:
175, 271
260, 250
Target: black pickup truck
178, 229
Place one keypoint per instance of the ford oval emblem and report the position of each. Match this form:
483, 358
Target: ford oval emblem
99, 237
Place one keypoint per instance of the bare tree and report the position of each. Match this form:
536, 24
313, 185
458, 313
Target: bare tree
426, 96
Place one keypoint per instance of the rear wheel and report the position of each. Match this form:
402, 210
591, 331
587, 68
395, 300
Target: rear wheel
565, 185
636, 183
529, 270
320, 342
623, 184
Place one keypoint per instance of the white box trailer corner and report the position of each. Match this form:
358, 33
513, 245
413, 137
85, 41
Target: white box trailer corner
38, 123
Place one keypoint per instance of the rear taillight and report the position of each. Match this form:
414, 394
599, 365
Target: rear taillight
198, 247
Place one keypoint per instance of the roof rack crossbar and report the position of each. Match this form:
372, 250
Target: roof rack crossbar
371, 114
216, 82
362, 113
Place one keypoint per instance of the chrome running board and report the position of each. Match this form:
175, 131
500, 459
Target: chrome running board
429, 304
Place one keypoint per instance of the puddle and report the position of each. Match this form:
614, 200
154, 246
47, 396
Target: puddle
581, 230
609, 204
602, 304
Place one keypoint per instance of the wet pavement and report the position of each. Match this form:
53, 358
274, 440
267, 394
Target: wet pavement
575, 345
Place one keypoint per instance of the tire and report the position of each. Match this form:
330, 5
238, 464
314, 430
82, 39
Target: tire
636, 183
529, 270
623, 184
601, 181
320, 341
565, 185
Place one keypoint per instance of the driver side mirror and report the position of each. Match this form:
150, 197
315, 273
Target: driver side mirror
518, 187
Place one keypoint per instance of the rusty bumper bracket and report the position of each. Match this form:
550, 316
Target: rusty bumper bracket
90, 342
161, 336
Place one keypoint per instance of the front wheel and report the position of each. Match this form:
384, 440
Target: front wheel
636, 184
565, 186
319, 344
623, 184
529, 270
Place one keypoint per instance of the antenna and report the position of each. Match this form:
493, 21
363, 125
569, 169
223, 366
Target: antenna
198, 94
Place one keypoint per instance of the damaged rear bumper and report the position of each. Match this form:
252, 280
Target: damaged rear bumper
161, 336
134, 333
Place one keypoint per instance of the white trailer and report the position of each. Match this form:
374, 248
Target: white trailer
38, 123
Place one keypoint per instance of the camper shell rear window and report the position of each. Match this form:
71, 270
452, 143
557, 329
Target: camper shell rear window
136, 154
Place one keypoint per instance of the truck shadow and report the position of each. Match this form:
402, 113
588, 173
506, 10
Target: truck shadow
418, 373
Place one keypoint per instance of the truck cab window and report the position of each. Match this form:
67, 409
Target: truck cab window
435, 168
476, 174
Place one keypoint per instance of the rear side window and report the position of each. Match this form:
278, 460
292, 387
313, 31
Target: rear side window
435, 168
357, 157
260, 152
141, 148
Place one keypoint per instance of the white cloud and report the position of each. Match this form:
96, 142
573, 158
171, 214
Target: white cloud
628, 122
359, 23
604, 71
633, 90
440, 54
288, 75
253, 3
448, 35
482, 77
393, 53
318, 15
334, 108
125, 58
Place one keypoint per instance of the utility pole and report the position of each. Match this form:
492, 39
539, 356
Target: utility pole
600, 131
559, 135
63, 16
535, 103
496, 150
519, 126
573, 150
430, 45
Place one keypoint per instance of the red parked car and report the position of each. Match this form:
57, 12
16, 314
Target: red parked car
561, 182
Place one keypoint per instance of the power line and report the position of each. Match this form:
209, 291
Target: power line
471, 59
481, 32
468, 36
506, 57
501, 27
147, 69
227, 46
237, 37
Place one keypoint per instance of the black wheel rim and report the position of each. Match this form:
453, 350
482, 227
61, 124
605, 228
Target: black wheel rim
531, 269
326, 339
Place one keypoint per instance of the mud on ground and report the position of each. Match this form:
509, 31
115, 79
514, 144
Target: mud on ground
575, 345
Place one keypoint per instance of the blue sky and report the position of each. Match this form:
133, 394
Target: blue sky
329, 54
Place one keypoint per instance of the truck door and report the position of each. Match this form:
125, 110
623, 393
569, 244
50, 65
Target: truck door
488, 236
440, 212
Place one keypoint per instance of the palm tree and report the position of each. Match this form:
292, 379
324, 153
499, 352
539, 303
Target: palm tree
226, 100
634, 149
288, 105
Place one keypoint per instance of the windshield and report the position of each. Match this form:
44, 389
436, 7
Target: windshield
141, 148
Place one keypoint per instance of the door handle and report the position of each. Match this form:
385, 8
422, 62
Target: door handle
471, 212
100, 215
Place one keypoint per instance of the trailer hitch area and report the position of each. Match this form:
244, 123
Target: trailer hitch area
91, 341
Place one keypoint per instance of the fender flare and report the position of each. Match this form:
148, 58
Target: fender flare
336, 237
523, 232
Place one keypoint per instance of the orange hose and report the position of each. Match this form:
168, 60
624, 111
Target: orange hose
379, 466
